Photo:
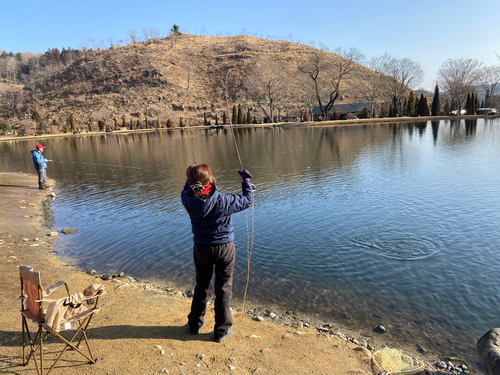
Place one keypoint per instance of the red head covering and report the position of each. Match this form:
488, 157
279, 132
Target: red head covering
40, 146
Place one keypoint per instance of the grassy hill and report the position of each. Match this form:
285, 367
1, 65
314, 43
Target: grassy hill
168, 78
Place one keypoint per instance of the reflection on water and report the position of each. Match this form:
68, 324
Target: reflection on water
384, 224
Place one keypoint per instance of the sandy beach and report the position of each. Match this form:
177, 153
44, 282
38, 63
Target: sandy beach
141, 328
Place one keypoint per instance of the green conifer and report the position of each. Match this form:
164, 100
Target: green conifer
240, 117
72, 123
147, 123
249, 117
436, 104
91, 124
234, 120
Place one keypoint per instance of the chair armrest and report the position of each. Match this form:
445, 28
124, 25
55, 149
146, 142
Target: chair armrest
53, 287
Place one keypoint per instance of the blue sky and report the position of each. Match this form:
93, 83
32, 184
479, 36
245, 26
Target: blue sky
428, 32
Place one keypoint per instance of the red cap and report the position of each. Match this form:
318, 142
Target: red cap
40, 146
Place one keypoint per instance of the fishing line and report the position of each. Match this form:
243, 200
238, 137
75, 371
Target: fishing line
284, 131
103, 165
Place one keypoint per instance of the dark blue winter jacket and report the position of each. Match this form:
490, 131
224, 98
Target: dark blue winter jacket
211, 217
38, 160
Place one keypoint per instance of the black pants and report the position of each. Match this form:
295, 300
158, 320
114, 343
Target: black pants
205, 258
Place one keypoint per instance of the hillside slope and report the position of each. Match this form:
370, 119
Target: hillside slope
171, 78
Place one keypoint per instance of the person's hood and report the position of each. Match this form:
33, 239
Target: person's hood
198, 208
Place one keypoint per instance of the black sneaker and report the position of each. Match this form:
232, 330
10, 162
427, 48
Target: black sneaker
224, 336
195, 331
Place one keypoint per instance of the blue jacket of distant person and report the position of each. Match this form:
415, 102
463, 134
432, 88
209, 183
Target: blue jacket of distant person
211, 217
38, 160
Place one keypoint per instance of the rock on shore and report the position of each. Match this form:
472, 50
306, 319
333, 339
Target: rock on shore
488, 348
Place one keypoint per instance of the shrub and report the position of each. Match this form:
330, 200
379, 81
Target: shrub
91, 124
305, 118
138, 125
170, 124
65, 129
36, 116
102, 124
124, 123
4, 127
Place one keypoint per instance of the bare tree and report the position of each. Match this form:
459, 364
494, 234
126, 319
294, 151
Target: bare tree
373, 88
145, 33
132, 35
93, 43
154, 32
405, 75
268, 82
458, 77
328, 76
489, 81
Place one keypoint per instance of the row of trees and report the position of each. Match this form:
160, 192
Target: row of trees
461, 77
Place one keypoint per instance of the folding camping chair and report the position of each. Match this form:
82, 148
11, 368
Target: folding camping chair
64, 310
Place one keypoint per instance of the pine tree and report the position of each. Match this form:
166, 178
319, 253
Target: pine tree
131, 125
468, 105
487, 99
249, 117
423, 107
91, 125
138, 124
72, 123
158, 123
181, 124
234, 120
305, 117
436, 105
205, 118
216, 120
240, 117
147, 123
394, 107
453, 105
116, 124
447, 107
124, 123
476, 103
410, 108
391, 111
224, 118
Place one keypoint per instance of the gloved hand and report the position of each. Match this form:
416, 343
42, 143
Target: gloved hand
245, 174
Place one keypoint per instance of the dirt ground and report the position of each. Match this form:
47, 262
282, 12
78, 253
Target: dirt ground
142, 329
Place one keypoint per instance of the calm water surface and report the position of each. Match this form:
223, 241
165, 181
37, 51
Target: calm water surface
394, 224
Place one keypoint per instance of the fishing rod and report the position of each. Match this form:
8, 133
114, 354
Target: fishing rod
249, 242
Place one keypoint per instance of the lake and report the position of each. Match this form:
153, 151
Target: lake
393, 224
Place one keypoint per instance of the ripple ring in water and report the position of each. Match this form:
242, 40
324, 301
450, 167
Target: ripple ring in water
396, 245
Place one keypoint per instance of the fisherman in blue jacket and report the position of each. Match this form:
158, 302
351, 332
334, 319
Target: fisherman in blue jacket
210, 212
40, 164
